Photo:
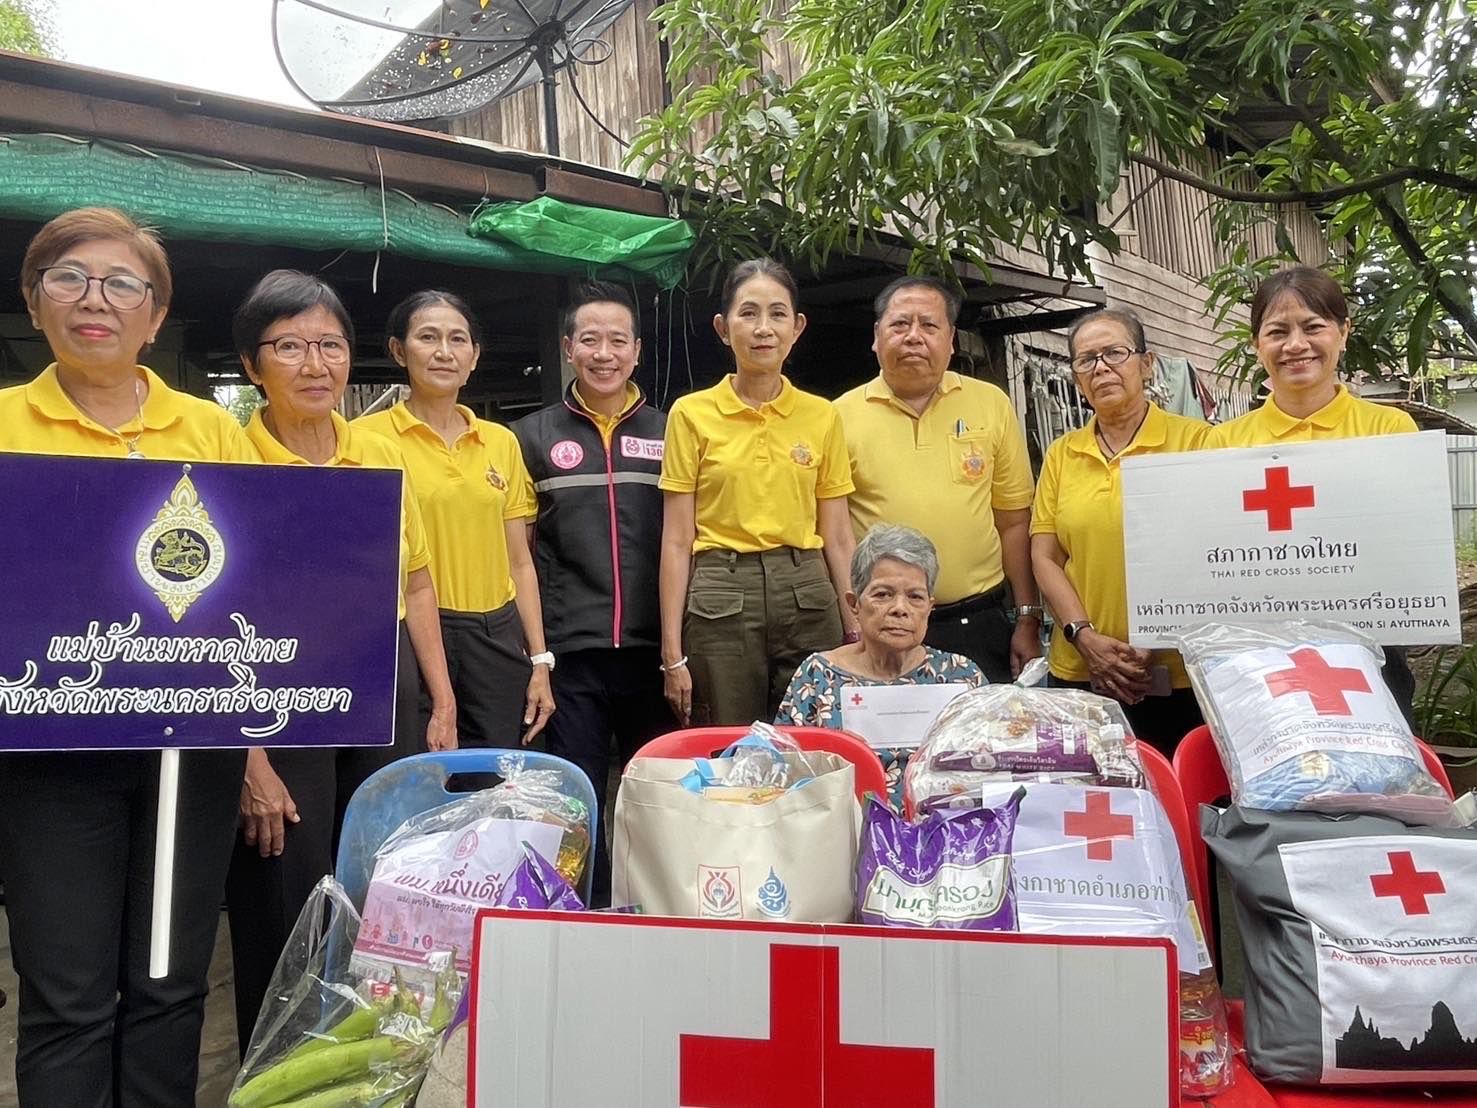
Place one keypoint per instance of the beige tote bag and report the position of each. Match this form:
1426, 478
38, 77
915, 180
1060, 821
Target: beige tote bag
678, 853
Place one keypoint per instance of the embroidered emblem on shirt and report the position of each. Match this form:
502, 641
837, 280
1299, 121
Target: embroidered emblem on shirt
800, 454
973, 464
496, 479
566, 454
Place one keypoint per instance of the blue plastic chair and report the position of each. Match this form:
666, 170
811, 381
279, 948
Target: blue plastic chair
417, 784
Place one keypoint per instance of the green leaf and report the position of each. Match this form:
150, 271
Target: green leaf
1416, 338
1102, 137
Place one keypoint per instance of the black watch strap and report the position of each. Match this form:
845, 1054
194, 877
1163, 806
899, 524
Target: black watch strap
1075, 628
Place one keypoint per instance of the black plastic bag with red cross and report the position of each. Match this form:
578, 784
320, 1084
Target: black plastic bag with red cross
1303, 721
1360, 938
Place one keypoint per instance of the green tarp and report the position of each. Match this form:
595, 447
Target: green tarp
199, 198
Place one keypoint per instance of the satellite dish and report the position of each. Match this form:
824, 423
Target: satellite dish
405, 60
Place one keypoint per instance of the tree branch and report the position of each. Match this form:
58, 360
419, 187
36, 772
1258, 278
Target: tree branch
1310, 196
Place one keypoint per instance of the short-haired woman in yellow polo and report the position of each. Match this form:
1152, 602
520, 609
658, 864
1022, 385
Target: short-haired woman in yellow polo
477, 502
77, 828
756, 539
1077, 531
296, 341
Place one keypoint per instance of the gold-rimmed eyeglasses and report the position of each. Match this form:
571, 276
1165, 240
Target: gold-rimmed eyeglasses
292, 350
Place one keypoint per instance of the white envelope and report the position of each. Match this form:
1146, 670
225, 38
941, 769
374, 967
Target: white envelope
894, 715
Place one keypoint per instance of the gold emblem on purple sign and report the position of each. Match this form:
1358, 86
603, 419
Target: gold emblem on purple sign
180, 554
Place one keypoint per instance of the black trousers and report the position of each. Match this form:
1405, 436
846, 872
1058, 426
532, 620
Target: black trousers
265, 895
77, 853
605, 694
977, 627
488, 663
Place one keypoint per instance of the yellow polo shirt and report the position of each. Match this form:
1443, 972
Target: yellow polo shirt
756, 475
466, 492
351, 449
605, 423
942, 473
39, 418
1346, 416
1079, 499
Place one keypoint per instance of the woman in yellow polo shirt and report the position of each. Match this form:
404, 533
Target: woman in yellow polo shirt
477, 501
296, 340
1077, 531
77, 829
1299, 328
756, 539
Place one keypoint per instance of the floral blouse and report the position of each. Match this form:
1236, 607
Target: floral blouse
814, 699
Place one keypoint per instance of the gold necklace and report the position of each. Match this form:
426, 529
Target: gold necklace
138, 399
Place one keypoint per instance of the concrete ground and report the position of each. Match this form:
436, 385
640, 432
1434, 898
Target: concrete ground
217, 1049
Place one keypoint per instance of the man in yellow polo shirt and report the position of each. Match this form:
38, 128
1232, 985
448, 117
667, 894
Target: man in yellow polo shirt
945, 454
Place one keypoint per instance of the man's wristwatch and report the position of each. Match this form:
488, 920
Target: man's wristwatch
544, 659
1075, 628
1029, 611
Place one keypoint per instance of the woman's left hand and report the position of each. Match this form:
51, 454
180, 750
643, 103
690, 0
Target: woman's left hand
441, 731
540, 704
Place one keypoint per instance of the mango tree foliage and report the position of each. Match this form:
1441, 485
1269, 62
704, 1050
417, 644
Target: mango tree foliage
957, 124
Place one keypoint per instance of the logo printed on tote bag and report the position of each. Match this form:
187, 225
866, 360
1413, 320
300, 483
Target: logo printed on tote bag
718, 892
773, 897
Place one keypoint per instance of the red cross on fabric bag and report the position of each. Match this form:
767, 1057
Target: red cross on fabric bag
1360, 940
1304, 721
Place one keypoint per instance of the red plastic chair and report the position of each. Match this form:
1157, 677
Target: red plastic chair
1202, 780
705, 742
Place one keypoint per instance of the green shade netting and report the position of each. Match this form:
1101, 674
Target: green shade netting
207, 199
649, 245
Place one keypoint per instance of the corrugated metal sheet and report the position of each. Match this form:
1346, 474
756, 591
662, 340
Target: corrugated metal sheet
1461, 464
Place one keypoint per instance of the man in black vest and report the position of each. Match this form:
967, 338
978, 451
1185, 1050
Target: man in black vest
595, 458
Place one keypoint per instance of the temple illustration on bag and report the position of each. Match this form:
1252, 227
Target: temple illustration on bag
1362, 1047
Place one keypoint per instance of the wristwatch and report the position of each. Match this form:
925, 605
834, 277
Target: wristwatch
1075, 628
1026, 611
544, 659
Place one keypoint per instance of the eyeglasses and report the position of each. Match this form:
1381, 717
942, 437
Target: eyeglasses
66, 285
291, 350
1113, 357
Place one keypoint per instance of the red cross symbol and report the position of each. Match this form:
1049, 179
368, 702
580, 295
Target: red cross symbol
803, 1063
1099, 826
1278, 498
1324, 684
856, 698
1411, 885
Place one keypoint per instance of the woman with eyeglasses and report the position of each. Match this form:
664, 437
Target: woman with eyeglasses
296, 340
77, 828
1077, 531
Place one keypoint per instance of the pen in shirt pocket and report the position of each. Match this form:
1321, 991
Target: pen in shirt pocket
959, 428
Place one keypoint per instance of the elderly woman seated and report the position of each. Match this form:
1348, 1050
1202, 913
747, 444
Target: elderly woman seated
892, 577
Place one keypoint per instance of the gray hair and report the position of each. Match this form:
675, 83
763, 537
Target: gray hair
901, 544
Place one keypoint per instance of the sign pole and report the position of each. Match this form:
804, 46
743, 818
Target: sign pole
164, 863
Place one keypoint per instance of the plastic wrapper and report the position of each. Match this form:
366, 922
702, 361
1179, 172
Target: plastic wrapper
327, 1036
949, 870
536, 884
436, 870
1303, 721
1105, 861
762, 765
1003, 733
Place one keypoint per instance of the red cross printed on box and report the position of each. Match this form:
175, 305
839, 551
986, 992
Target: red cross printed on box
1278, 497
1411, 885
856, 699
1099, 826
803, 1063
1324, 684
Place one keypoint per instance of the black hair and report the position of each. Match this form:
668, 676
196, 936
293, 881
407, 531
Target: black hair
757, 267
397, 326
1319, 292
282, 294
595, 292
952, 300
1131, 323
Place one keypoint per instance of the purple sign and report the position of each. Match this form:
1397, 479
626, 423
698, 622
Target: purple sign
193, 604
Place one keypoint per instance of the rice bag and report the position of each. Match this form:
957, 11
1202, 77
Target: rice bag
1303, 721
535, 884
951, 870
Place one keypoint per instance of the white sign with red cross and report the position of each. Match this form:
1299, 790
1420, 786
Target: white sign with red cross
650, 1012
1352, 530
1278, 705
1394, 928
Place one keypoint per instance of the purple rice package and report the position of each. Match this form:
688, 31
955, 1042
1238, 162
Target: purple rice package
536, 884
1304, 722
1360, 936
951, 870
